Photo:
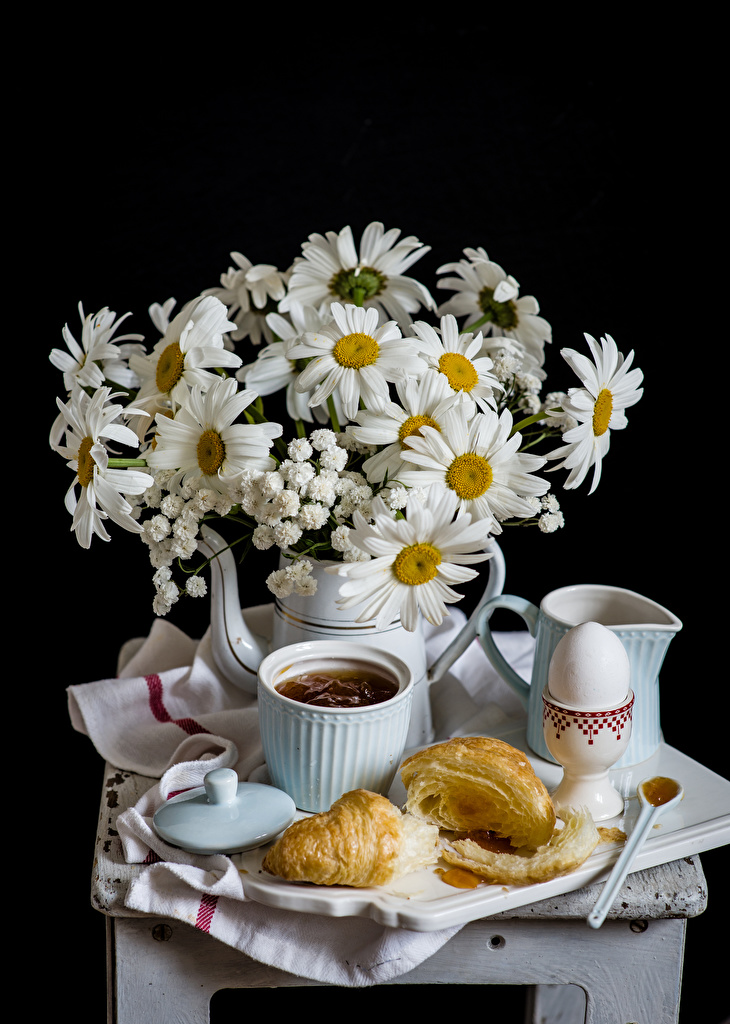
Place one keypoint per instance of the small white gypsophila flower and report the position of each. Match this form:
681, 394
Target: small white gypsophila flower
168, 591
162, 576
172, 505
223, 506
262, 537
287, 533
160, 606
287, 503
196, 586
340, 538
299, 569
185, 528
299, 449
334, 458
550, 503
279, 583
160, 552
157, 528
297, 474
323, 438
549, 522
506, 365
320, 489
184, 547
529, 403
396, 497
152, 497
313, 516
354, 554
306, 587
271, 483
528, 382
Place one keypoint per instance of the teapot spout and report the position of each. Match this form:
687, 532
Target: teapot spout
236, 651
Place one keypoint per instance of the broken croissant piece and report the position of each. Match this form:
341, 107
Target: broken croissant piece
362, 840
566, 850
479, 783
505, 827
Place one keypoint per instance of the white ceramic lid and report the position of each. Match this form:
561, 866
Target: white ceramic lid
224, 815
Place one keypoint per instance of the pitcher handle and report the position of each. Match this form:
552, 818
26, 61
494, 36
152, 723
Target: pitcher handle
459, 644
527, 611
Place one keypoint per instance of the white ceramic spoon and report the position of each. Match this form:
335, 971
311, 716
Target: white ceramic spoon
655, 796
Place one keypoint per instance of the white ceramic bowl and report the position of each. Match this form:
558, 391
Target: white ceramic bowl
316, 754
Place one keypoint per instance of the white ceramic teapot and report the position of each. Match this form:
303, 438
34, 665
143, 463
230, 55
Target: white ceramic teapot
238, 650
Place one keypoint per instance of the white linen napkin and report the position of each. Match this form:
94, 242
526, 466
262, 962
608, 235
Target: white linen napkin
169, 715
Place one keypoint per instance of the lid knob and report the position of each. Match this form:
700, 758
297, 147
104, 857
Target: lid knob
221, 785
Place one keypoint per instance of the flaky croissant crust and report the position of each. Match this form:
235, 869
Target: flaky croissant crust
362, 840
566, 850
479, 783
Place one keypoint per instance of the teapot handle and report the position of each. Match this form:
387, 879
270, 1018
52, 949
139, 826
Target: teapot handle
459, 644
527, 611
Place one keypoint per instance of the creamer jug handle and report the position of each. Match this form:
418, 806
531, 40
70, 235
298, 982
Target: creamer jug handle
527, 611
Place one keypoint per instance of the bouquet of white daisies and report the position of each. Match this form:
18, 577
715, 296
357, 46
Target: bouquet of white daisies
411, 433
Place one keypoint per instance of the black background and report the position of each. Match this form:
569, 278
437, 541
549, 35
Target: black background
576, 167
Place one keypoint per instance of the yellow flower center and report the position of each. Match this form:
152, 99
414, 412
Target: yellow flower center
459, 371
211, 452
417, 564
602, 412
356, 350
86, 462
170, 368
413, 426
469, 475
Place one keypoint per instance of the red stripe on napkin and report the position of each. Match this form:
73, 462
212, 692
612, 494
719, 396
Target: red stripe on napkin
160, 712
205, 912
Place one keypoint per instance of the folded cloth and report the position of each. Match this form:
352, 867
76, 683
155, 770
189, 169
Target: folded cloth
171, 716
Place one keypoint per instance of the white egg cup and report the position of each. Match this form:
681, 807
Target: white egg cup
587, 744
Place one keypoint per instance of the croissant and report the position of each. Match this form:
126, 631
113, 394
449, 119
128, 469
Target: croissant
362, 840
566, 850
479, 783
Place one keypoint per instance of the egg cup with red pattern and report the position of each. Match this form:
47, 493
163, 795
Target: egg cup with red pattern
587, 744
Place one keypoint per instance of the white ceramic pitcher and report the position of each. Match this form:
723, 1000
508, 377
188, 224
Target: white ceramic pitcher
644, 627
238, 651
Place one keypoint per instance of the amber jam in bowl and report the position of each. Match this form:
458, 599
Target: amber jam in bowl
334, 717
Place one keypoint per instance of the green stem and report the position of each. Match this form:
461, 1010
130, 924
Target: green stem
333, 415
126, 463
477, 323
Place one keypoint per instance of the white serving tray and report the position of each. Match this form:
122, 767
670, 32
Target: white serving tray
423, 902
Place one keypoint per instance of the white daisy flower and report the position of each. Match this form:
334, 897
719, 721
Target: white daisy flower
191, 345
485, 294
91, 421
422, 403
331, 268
250, 291
414, 561
609, 387
274, 368
205, 446
460, 359
88, 363
480, 462
355, 358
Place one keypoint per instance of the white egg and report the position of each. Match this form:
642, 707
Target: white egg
590, 668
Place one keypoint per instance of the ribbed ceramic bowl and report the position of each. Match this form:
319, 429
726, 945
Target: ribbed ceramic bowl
316, 754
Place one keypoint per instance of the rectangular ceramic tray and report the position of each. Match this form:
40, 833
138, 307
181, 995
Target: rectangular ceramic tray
423, 902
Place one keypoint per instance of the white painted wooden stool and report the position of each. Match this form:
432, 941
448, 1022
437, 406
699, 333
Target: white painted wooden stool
630, 969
